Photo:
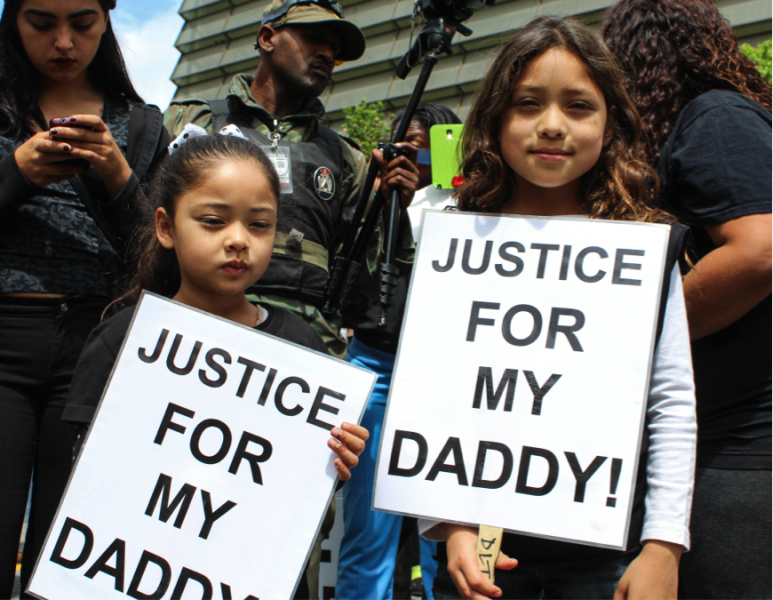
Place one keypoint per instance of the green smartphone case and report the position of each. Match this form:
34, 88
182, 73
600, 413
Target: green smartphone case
444, 144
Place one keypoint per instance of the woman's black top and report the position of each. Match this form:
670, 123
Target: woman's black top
715, 167
57, 240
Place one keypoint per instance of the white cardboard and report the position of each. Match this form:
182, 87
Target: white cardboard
259, 547
596, 408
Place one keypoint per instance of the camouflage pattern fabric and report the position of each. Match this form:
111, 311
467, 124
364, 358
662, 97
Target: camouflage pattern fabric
297, 128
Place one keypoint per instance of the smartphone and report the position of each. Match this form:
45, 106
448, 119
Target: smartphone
63, 122
444, 146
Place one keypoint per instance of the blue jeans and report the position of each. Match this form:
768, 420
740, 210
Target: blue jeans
366, 562
596, 578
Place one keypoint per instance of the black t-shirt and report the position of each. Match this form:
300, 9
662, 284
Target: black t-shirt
104, 343
715, 167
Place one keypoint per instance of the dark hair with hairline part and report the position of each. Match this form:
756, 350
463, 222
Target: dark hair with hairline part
428, 114
156, 268
620, 186
672, 51
20, 82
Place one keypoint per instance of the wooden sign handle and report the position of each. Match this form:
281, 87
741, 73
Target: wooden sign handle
487, 550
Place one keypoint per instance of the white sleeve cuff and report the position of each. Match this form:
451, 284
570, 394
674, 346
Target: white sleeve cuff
429, 531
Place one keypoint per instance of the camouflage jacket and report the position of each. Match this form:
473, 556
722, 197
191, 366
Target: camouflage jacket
301, 127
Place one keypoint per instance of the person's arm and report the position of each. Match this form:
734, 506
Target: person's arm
131, 209
14, 187
401, 175
717, 176
461, 544
672, 431
348, 442
731, 280
93, 142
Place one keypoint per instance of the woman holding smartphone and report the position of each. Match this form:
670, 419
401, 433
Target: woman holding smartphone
76, 141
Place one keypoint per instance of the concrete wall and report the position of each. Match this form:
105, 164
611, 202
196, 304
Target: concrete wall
218, 36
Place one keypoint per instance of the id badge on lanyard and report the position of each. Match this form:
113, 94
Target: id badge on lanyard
280, 158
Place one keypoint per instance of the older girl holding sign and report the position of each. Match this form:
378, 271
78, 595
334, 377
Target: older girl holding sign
553, 132
76, 141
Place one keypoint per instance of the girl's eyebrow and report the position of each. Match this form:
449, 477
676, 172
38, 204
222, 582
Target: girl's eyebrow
224, 206
536, 88
75, 15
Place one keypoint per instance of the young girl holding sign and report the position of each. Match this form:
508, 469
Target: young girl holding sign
217, 200
553, 132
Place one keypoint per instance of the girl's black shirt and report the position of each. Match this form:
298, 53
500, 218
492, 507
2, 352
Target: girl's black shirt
103, 345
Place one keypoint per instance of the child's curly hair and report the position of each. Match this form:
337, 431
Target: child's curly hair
621, 185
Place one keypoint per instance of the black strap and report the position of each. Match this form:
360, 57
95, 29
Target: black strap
145, 126
676, 241
221, 113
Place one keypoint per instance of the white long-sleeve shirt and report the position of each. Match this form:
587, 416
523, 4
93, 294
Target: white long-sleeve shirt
671, 429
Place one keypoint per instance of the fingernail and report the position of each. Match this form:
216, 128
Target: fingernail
68, 149
335, 432
346, 425
335, 444
72, 119
53, 131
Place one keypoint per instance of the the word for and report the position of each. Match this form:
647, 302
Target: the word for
240, 454
554, 328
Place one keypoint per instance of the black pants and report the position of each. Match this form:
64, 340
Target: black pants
730, 530
40, 341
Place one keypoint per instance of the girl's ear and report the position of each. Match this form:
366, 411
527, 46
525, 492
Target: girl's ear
164, 229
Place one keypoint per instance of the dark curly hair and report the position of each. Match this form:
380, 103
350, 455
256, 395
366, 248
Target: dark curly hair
672, 51
20, 82
620, 186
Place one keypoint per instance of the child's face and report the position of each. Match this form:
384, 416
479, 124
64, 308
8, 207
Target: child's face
555, 129
223, 231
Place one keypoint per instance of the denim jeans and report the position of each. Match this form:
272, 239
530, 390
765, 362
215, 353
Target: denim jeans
596, 578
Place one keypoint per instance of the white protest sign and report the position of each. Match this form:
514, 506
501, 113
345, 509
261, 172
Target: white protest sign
206, 472
521, 379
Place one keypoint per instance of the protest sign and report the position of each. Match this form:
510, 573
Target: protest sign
522, 374
206, 472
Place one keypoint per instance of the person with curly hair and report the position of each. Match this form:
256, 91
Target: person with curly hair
553, 132
707, 119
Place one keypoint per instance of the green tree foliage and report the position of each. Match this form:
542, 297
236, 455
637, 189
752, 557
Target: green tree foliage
367, 124
760, 56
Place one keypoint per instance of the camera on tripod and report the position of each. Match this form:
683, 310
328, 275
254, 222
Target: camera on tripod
452, 10
443, 18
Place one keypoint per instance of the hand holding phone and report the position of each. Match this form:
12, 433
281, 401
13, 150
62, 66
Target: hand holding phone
88, 137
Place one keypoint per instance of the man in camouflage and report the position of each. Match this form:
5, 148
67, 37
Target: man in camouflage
300, 42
